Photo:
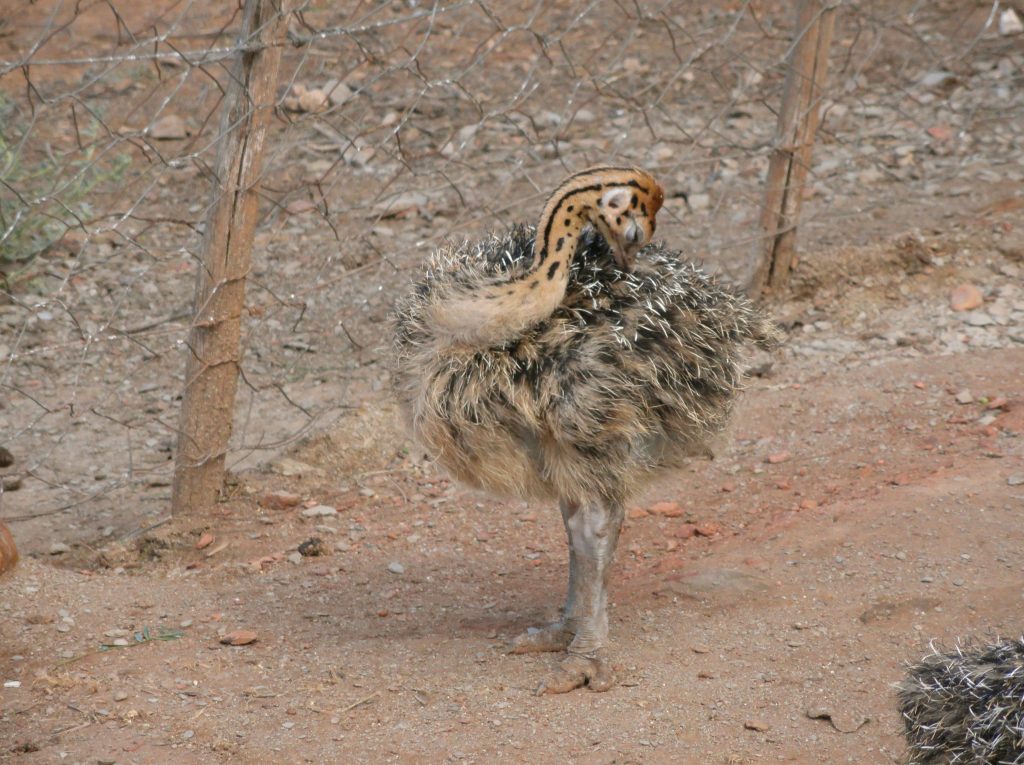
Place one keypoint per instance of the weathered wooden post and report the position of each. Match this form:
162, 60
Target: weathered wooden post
794, 143
211, 372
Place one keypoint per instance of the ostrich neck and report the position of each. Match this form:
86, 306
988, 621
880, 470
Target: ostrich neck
496, 312
491, 313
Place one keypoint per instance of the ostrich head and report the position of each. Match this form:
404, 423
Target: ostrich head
625, 212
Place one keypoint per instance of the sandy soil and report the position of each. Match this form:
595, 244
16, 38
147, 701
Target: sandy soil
764, 603
867, 502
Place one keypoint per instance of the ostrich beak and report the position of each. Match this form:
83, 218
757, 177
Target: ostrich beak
625, 249
624, 256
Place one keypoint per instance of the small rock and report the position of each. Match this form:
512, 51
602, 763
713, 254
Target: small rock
1010, 23
779, 457
548, 119
964, 397
667, 509
966, 297
337, 92
402, 205
938, 80
239, 637
396, 568
319, 511
976, 319
289, 467
169, 128
1016, 480
298, 207
59, 548
204, 541
699, 202
313, 100
758, 725
707, 529
295, 557
120, 695
313, 547
279, 500
686, 531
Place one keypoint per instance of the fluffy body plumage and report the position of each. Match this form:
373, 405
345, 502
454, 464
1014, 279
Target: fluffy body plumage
966, 706
632, 373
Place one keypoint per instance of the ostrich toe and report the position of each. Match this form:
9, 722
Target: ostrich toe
553, 637
576, 671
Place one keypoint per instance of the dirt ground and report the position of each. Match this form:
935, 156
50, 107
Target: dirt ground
866, 504
764, 603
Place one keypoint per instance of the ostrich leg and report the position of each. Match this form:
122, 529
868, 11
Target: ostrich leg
593, 530
557, 635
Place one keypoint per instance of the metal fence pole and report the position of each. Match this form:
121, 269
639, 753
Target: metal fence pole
211, 373
791, 159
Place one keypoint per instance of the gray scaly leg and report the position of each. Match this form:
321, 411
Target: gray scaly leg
559, 634
593, 528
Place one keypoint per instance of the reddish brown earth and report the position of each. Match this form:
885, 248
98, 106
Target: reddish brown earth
859, 512
764, 603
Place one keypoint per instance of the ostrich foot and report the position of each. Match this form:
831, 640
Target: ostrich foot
574, 672
553, 637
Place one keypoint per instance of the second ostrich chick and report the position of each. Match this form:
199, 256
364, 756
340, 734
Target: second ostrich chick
553, 363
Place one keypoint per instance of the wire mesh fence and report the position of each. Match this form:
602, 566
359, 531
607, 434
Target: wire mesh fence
397, 125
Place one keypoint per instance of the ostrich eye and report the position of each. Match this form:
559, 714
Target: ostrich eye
615, 198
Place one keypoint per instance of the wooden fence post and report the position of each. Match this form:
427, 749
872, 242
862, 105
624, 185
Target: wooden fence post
211, 371
794, 142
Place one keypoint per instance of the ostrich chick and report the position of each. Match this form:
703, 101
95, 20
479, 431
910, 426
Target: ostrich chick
552, 364
965, 705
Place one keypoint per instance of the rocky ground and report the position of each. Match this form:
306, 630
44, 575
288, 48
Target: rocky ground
353, 605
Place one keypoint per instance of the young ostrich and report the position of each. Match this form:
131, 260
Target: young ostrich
549, 364
966, 706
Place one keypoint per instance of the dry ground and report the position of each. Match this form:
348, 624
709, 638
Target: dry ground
867, 503
860, 511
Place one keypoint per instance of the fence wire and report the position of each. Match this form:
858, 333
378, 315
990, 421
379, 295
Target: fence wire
398, 125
